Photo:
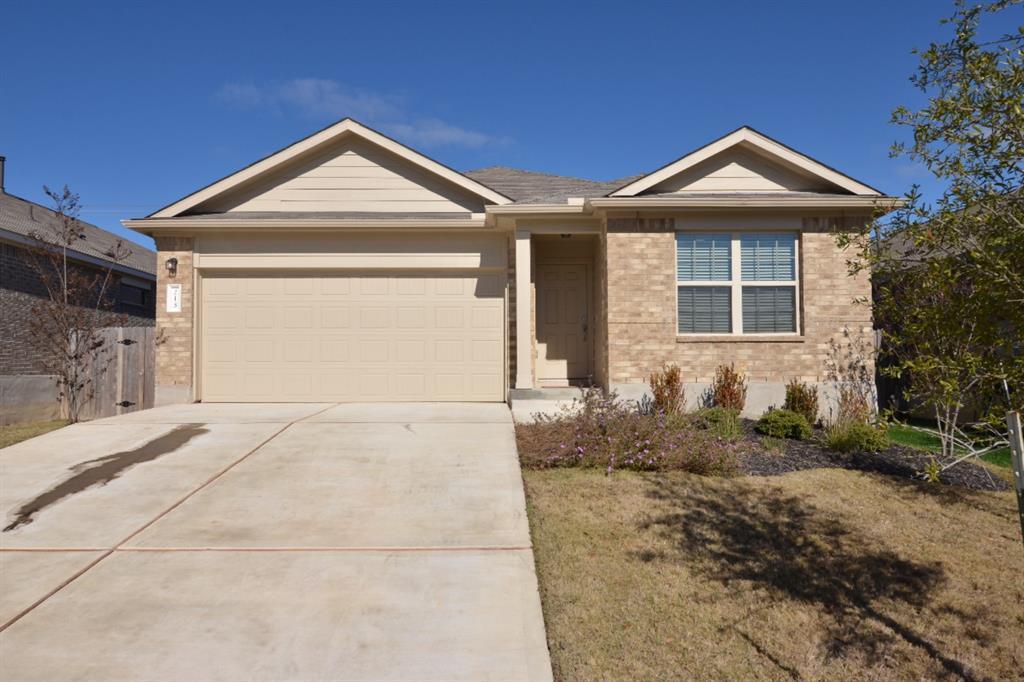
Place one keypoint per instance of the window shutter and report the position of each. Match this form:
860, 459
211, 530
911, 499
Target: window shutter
769, 309
703, 257
705, 310
768, 257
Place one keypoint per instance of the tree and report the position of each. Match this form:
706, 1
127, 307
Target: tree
949, 276
67, 322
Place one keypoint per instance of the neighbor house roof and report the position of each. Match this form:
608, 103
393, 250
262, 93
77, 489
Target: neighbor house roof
20, 219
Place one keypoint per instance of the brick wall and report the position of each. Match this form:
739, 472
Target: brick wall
21, 290
641, 301
600, 323
174, 330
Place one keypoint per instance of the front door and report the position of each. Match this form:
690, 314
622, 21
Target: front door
563, 324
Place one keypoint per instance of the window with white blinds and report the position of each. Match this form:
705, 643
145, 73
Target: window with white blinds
737, 283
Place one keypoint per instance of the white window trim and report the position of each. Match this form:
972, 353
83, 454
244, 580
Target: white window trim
736, 284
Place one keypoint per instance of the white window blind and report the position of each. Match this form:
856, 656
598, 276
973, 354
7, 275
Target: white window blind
705, 310
768, 257
737, 283
704, 257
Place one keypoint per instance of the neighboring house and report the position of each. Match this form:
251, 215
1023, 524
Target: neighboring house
25, 391
350, 267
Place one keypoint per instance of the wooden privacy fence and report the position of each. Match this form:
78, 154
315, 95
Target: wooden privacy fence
122, 376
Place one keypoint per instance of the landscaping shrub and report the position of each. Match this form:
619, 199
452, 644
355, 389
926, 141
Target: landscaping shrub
803, 399
667, 392
776, 446
855, 436
784, 424
601, 431
728, 390
721, 421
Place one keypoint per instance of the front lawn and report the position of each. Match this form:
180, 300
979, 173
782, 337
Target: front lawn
15, 433
817, 574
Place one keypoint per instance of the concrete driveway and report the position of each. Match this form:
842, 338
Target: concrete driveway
270, 542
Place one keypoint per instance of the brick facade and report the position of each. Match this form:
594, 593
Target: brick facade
21, 290
174, 330
641, 302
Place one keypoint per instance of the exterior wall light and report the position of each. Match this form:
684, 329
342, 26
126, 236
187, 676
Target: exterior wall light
172, 266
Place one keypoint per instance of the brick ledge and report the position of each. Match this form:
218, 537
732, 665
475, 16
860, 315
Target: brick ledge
741, 338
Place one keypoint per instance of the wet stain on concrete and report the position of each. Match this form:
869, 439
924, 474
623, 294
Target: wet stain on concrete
103, 470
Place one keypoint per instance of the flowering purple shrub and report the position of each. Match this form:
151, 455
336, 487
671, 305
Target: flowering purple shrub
599, 430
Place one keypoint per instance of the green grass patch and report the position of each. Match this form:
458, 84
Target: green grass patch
15, 433
1000, 457
905, 435
929, 441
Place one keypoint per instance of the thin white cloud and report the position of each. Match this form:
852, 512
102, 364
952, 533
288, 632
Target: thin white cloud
434, 133
321, 98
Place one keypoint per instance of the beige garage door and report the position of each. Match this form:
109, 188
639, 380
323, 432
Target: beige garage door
295, 337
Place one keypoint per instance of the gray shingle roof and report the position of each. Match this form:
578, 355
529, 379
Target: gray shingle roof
530, 187
23, 217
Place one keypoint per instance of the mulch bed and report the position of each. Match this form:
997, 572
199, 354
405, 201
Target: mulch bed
896, 460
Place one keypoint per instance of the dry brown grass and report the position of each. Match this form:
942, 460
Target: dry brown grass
821, 574
15, 433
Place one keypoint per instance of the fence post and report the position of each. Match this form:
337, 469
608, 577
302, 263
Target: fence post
1017, 455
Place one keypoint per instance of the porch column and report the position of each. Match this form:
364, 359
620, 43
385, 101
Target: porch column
524, 312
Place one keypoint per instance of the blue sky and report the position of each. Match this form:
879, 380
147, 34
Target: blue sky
134, 105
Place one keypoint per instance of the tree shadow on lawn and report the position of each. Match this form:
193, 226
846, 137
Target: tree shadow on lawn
781, 544
987, 501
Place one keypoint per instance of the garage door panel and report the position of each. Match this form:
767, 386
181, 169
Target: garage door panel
338, 337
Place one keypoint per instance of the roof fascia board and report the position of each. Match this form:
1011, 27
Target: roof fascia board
152, 226
324, 136
541, 209
641, 203
750, 137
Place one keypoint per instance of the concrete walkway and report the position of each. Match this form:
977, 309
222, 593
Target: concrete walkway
270, 542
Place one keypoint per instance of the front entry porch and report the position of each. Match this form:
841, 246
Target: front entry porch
556, 345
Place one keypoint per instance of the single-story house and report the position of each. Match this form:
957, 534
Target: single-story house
349, 267
26, 391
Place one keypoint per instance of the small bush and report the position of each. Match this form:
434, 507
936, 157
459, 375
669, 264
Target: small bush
728, 390
774, 445
667, 392
802, 398
721, 421
784, 424
852, 405
855, 436
601, 431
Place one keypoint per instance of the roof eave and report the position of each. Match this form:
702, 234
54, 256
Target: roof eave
777, 202
546, 209
74, 254
166, 226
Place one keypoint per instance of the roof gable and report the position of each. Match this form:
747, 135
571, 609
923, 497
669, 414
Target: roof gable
744, 161
345, 167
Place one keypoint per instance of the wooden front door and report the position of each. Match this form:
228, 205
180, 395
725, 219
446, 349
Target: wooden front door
563, 323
